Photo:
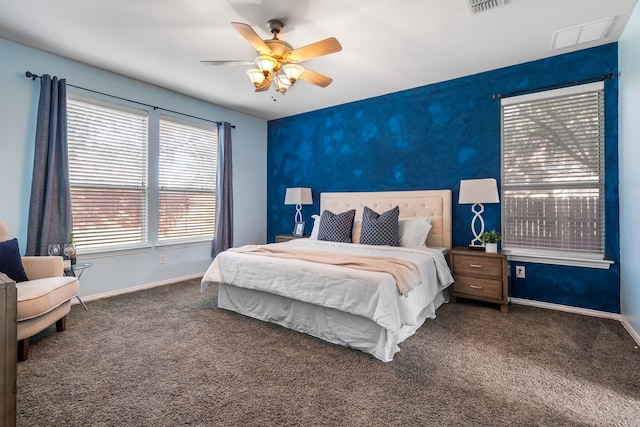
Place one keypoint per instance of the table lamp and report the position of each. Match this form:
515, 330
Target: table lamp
298, 197
476, 192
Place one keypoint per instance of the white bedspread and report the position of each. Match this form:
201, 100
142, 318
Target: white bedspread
372, 295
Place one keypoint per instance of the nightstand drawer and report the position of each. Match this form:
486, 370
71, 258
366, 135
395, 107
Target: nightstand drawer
477, 266
478, 287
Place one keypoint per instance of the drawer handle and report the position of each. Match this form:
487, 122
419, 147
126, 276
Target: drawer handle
475, 266
475, 287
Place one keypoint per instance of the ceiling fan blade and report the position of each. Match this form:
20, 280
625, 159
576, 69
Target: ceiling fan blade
313, 50
252, 37
316, 78
238, 62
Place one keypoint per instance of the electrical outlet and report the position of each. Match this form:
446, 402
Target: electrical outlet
520, 271
162, 259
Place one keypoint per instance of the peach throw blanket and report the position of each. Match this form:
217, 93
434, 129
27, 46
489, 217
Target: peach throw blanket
405, 273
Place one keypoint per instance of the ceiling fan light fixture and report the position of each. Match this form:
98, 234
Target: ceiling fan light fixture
292, 72
282, 83
256, 76
266, 64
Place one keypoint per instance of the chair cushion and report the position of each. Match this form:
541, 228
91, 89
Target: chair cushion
10, 262
37, 297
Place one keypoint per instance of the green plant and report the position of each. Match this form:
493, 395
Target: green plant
490, 237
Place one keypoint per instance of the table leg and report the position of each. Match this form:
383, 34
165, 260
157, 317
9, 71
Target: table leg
81, 302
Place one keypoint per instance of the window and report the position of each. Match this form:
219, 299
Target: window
553, 173
108, 175
187, 181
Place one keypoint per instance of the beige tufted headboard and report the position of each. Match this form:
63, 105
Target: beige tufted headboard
435, 204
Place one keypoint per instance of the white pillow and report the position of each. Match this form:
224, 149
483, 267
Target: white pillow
413, 232
316, 227
356, 231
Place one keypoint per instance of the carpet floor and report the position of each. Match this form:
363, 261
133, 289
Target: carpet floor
168, 356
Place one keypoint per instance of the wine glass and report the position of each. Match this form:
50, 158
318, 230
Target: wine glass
69, 249
54, 249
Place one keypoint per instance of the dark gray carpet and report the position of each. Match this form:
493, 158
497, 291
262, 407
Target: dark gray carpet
169, 357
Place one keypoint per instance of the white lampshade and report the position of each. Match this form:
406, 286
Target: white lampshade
298, 196
478, 191
266, 63
282, 83
293, 72
255, 76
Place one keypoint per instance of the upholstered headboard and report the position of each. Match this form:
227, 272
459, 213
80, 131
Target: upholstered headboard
435, 204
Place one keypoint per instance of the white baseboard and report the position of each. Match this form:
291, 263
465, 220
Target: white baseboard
567, 308
136, 288
635, 335
583, 311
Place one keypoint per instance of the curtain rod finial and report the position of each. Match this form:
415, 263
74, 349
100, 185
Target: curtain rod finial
30, 74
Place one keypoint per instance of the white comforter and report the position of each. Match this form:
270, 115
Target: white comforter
372, 295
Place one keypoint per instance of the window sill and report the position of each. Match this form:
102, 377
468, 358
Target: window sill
603, 264
111, 252
183, 244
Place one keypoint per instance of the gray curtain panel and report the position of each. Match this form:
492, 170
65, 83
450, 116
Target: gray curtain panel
50, 208
223, 236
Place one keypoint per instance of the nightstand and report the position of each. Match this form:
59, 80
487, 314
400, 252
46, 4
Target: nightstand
480, 276
286, 237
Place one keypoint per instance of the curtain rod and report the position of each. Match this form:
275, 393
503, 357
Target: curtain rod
556, 86
32, 76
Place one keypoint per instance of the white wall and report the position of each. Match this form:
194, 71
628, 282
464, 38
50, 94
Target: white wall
629, 113
18, 107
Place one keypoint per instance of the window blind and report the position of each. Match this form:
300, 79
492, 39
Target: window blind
553, 171
108, 175
187, 179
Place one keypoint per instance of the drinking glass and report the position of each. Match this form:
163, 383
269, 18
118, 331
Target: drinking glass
69, 250
54, 249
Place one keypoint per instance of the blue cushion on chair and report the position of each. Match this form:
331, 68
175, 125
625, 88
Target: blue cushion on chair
10, 262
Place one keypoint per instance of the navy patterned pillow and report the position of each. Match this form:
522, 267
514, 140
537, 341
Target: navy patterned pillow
380, 229
336, 227
10, 261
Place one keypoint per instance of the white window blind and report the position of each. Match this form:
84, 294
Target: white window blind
187, 179
553, 172
108, 175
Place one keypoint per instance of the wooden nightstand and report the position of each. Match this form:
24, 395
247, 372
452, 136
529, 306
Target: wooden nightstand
286, 237
481, 276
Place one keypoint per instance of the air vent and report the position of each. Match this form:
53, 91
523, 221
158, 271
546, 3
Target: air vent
477, 6
581, 34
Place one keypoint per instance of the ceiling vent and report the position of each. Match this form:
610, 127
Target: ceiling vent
581, 34
477, 6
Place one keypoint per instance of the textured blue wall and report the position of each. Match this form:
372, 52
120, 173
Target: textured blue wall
431, 137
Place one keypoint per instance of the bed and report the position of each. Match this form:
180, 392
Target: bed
359, 308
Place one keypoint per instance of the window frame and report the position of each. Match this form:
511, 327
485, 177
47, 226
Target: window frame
554, 256
196, 124
74, 96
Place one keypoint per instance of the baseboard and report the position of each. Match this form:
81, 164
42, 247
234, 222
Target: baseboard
632, 332
567, 308
136, 288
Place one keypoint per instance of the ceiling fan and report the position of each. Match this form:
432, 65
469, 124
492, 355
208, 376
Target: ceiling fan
277, 60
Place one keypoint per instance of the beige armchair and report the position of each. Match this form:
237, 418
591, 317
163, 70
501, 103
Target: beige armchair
44, 299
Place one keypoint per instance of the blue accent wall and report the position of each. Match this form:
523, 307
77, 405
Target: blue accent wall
433, 136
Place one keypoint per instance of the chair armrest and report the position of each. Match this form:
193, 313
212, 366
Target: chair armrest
41, 267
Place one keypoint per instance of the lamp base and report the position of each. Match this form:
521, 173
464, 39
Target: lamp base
476, 247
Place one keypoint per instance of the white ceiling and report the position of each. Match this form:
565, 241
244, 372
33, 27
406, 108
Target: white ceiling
388, 45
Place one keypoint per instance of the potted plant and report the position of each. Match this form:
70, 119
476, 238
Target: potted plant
490, 240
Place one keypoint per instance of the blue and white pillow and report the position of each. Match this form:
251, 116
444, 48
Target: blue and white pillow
336, 227
380, 229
